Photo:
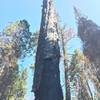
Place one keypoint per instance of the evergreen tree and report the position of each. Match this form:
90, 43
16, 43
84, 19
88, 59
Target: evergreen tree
79, 77
16, 41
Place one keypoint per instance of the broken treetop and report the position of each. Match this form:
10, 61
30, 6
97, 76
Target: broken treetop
48, 30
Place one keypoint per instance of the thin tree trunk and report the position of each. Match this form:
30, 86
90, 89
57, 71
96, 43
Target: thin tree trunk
67, 85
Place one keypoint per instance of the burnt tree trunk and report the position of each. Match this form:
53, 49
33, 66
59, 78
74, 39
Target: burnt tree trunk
46, 85
89, 33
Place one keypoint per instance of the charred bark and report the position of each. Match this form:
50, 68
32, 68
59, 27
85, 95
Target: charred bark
46, 84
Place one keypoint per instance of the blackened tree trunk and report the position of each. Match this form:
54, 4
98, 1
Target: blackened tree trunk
89, 33
46, 85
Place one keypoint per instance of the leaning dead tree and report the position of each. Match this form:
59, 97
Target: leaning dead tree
46, 85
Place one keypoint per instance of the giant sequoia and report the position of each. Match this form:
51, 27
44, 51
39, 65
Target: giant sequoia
46, 84
89, 33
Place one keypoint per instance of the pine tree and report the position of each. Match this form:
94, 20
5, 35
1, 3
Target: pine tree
79, 76
16, 41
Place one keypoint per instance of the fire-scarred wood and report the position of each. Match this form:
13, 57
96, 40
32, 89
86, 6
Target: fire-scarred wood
46, 85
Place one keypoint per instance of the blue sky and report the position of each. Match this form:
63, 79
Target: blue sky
12, 10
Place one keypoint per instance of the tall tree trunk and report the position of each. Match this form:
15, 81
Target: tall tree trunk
67, 83
89, 33
46, 84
